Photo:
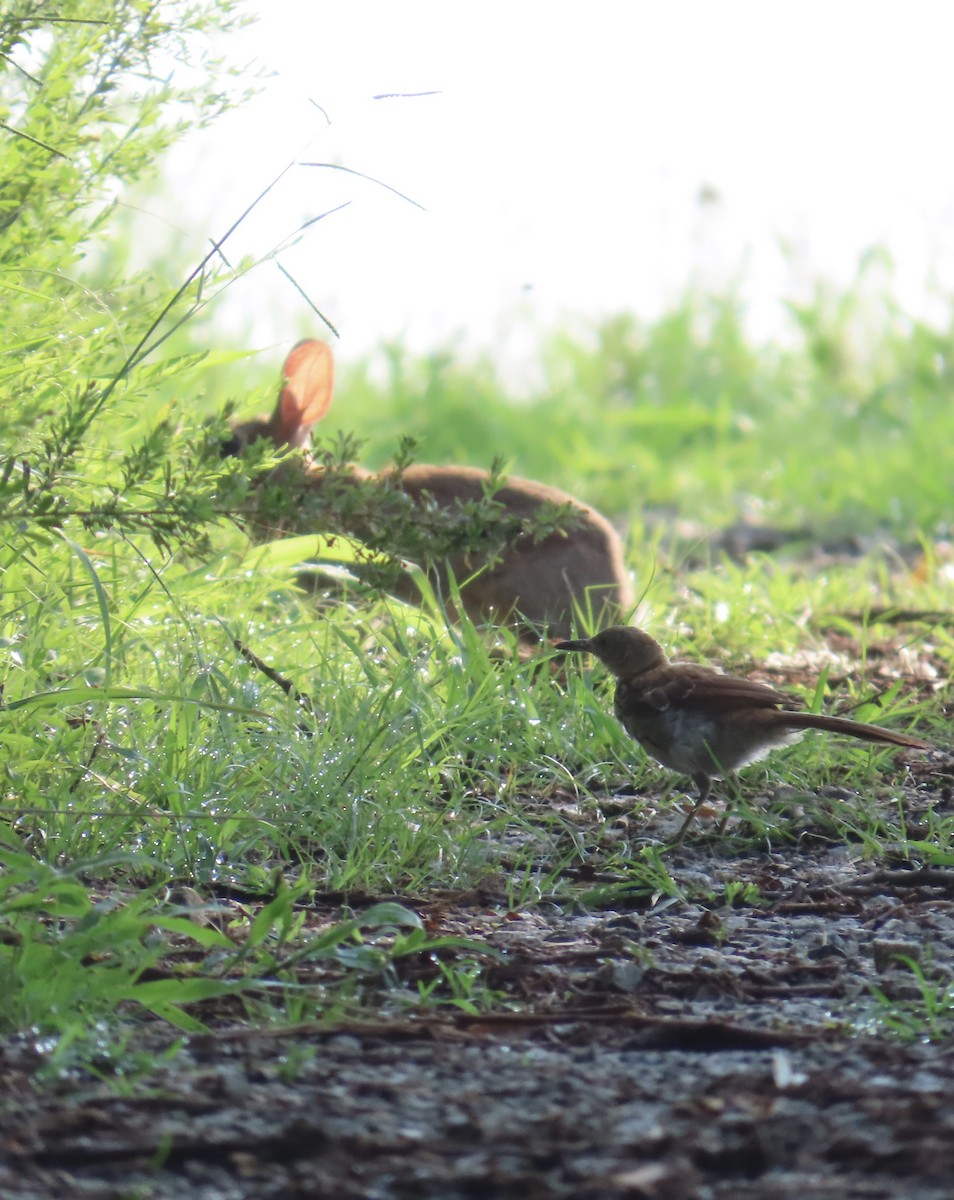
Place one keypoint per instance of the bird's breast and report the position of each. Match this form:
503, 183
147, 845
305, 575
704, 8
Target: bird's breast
699, 740
674, 736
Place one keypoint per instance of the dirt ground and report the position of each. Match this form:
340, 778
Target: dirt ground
681, 1051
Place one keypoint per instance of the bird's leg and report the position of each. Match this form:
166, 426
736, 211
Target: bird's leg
732, 785
703, 783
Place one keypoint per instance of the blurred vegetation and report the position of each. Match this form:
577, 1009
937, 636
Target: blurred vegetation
838, 428
141, 749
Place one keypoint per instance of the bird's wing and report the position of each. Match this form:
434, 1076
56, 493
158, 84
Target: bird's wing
698, 687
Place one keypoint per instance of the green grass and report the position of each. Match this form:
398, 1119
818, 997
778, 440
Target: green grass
145, 752
916, 1008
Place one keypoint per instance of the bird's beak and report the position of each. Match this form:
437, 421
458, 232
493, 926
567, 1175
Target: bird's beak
581, 644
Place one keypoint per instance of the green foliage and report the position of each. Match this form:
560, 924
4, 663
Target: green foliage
370, 950
90, 97
387, 526
927, 1015
644, 879
68, 959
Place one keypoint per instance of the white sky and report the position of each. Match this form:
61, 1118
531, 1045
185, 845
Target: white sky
561, 163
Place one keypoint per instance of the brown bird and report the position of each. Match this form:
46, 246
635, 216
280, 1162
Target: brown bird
699, 722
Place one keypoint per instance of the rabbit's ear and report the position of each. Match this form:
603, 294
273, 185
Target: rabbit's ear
309, 373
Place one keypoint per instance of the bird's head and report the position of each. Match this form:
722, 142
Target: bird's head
622, 649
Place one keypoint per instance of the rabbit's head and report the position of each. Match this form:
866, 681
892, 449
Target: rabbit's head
305, 397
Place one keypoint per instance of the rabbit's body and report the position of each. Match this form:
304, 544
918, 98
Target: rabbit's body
546, 584
549, 582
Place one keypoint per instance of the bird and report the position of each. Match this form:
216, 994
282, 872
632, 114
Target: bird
699, 722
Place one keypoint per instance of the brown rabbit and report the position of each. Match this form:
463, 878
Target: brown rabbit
545, 584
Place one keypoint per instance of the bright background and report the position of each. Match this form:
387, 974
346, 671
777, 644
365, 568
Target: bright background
573, 163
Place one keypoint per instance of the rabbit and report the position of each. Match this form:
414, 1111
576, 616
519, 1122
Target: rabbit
541, 586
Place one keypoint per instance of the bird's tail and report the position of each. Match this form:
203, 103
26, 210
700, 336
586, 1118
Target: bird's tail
858, 729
